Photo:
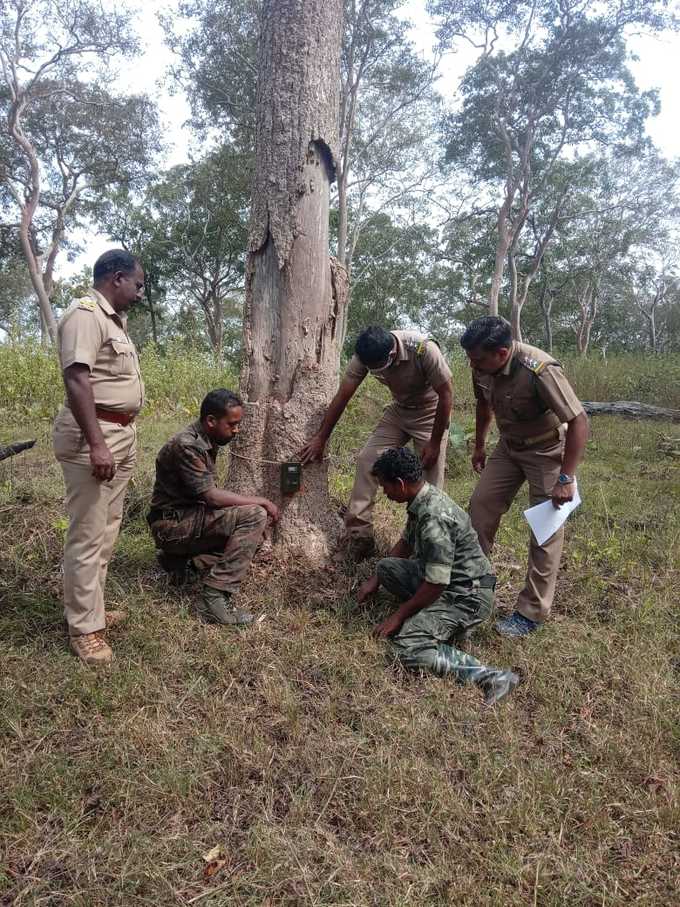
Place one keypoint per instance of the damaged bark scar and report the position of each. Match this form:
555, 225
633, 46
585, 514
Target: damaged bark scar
326, 155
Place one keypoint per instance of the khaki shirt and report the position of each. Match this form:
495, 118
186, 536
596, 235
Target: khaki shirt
92, 333
418, 368
530, 395
442, 540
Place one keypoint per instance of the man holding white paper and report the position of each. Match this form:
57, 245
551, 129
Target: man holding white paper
532, 401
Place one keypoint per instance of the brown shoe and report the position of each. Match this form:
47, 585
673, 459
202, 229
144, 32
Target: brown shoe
115, 618
91, 649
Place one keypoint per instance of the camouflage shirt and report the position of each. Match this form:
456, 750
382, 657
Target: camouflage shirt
185, 469
442, 539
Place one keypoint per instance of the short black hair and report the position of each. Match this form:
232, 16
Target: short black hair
373, 346
488, 333
398, 463
217, 402
112, 261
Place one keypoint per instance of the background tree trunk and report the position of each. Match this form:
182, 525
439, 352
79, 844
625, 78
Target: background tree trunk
545, 301
295, 294
631, 409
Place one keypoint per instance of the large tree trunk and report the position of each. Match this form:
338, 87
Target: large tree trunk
295, 294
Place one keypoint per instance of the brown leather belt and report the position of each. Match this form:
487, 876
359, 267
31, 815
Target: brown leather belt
523, 443
109, 415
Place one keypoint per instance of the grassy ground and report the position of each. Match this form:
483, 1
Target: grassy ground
322, 774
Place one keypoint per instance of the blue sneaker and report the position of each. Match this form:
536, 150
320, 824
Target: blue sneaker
516, 625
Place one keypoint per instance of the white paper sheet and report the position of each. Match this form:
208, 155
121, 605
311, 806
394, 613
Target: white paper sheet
545, 519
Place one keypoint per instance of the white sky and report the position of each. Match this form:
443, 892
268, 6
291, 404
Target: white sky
657, 67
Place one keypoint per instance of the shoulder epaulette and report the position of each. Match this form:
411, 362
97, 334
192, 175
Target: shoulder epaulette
86, 303
422, 345
534, 365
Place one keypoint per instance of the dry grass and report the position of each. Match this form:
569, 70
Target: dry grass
326, 775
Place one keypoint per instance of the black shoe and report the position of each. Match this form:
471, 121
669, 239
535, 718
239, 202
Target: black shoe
180, 570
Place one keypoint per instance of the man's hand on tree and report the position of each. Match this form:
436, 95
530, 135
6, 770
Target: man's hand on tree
368, 589
430, 454
479, 458
271, 508
103, 464
313, 450
389, 627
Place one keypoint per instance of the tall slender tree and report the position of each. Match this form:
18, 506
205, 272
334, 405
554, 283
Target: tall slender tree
295, 294
551, 78
65, 139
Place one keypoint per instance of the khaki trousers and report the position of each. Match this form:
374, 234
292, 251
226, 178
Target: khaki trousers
397, 427
504, 474
95, 510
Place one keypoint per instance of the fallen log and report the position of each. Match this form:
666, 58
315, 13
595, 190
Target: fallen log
9, 450
629, 409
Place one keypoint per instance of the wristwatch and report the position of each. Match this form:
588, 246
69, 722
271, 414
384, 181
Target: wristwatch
564, 479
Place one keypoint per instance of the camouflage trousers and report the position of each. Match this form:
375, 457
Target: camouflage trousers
221, 542
423, 641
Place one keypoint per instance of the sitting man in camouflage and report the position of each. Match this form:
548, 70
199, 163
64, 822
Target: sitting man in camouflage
190, 517
440, 574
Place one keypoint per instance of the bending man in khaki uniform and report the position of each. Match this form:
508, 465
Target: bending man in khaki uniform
531, 399
191, 518
415, 371
94, 440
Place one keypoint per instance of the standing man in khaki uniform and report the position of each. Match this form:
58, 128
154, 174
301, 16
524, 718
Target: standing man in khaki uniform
415, 371
527, 392
95, 441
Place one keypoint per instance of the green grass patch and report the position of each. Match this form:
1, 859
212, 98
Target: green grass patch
326, 775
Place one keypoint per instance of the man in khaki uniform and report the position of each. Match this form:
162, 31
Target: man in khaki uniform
415, 371
527, 392
94, 440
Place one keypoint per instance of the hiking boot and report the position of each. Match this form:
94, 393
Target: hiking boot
115, 618
91, 649
516, 626
179, 569
497, 685
360, 549
216, 607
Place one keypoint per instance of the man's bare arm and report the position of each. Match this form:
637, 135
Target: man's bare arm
370, 587
425, 595
220, 497
314, 448
574, 445
483, 417
430, 453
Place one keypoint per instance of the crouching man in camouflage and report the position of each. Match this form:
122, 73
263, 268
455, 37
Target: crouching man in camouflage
191, 518
443, 579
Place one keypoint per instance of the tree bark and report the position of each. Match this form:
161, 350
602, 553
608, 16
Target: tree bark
545, 301
502, 246
295, 294
631, 409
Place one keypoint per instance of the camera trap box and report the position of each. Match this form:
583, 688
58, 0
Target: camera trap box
291, 477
